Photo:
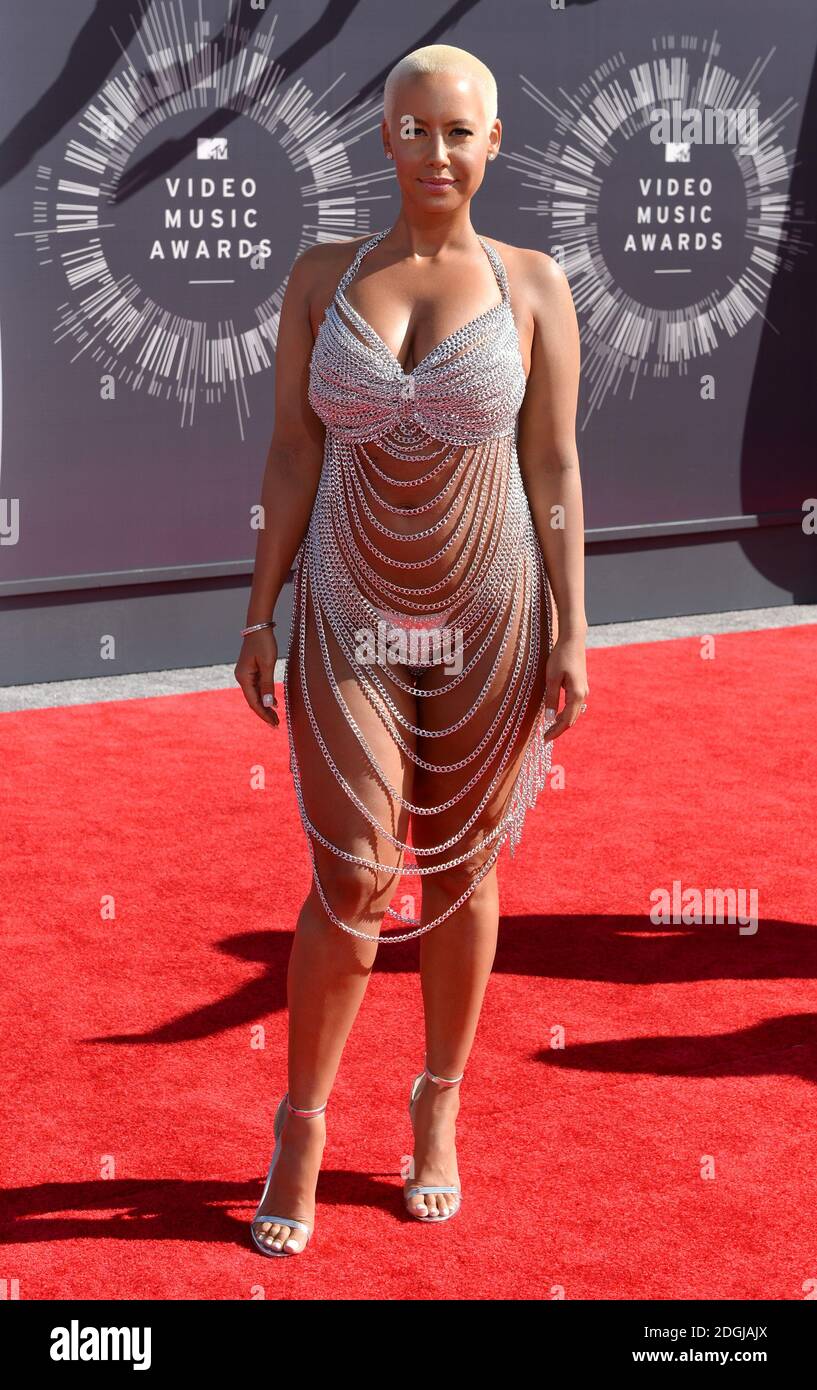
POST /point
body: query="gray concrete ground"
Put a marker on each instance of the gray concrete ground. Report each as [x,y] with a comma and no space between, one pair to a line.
[143,684]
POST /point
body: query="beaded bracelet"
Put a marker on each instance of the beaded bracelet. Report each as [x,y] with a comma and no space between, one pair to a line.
[256,627]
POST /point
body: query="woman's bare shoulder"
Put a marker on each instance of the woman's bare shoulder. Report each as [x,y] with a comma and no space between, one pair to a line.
[540,295]
[317,270]
[326,258]
[528,266]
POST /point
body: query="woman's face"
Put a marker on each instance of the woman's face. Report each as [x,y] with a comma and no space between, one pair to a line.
[439,138]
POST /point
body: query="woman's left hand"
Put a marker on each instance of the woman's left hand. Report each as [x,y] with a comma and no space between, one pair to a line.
[566,670]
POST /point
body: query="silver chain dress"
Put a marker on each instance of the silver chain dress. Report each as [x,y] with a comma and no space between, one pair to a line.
[448,424]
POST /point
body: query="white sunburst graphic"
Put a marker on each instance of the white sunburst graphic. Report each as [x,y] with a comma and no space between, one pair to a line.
[165,296]
[652,295]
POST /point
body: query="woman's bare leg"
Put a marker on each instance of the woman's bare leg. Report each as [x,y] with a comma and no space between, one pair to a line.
[456,958]
[329,968]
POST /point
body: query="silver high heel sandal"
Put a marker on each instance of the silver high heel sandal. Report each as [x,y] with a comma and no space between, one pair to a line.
[258,1237]
[417,1087]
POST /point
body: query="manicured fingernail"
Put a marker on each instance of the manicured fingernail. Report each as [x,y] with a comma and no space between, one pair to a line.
[267,700]
[550,713]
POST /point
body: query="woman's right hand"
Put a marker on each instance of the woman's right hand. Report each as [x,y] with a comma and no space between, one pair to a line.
[255,673]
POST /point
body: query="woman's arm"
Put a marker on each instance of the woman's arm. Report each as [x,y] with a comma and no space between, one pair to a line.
[295,454]
[290,482]
[549,463]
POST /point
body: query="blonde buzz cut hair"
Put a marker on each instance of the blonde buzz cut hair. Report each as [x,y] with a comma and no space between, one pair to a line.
[443,57]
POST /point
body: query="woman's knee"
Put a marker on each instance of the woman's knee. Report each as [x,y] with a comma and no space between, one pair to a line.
[471,878]
[355,893]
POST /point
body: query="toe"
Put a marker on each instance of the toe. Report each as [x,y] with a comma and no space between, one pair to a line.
[418,1204]
[281,1236]
[267,1232]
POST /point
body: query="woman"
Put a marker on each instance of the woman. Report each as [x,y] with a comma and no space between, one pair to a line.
[423,672]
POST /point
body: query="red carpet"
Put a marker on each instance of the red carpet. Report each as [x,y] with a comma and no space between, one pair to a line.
[663,1152]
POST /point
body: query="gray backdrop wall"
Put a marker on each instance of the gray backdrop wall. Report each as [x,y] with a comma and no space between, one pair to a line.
[159,174]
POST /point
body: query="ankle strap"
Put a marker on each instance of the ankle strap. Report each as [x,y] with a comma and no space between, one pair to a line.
[307,1114]
[443,1081]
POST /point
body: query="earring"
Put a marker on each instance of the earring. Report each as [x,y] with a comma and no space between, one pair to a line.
[389,154]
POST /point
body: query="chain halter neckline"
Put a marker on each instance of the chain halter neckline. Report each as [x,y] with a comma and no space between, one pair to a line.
[374,337]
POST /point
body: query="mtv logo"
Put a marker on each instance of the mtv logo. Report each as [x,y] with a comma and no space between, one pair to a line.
[215,148]
[677,154]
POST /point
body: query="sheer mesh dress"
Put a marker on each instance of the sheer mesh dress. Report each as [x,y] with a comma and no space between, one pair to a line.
[422,619]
